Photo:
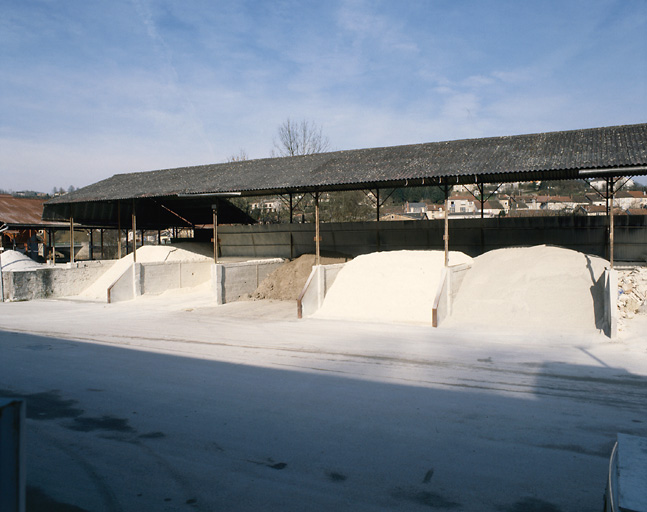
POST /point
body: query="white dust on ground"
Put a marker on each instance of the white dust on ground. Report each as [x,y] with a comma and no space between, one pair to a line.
[287,281]
[395,286]
[17,261]
[145,254]
[531,289]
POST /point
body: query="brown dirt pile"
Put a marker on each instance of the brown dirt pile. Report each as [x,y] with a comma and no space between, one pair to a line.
[287,281]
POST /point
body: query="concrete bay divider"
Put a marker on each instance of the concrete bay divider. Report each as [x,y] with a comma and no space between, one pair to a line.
[611,302]
[322,278]
[450,283]
[230,281]
[319,282]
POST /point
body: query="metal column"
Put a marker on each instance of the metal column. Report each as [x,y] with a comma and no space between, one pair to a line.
[214,207]
[611,223]
[317,236]
[446,235]
[118,230]
[134,233]
[71,239]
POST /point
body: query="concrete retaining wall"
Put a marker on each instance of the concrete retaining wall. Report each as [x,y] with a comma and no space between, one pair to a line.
[158,277]
[52,282]
[233,280]
[319,282]
[611,302]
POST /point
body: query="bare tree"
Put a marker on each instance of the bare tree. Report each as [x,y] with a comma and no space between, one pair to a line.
[300,138]
[238,157]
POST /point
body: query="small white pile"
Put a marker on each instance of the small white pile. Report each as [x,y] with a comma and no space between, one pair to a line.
[398,286]
[146,254]
[16,261]
[632,292]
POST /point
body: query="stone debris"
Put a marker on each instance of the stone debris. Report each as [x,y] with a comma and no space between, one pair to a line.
[632,292]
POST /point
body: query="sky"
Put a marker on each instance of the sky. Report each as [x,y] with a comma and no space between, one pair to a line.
[93,89]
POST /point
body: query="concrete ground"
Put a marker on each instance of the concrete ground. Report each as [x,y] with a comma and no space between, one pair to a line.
[171,403]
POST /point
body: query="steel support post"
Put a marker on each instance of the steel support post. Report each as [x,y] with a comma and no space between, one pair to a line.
[377,204]
[134,217]
[317,236]
[71,239]
[446,235]
[611,223]
[215,232]
[118,230]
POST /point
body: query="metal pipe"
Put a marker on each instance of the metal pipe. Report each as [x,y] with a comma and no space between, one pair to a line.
[212,194]
[616,170]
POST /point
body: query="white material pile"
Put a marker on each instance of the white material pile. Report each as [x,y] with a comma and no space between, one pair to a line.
[632,292]
[16,261]
[146,254]
[398,286]
[532,289]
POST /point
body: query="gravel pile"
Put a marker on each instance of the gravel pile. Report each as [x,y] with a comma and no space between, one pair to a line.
[632,292]
[287,281]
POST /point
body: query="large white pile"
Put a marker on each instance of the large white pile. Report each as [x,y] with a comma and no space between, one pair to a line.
[146,254]
[16,261]
[531,289]
[397,286]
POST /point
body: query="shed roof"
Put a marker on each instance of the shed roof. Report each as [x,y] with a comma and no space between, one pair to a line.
[617,150]
[23,212]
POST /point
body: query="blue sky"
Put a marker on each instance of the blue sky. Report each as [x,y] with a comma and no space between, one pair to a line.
[89,89]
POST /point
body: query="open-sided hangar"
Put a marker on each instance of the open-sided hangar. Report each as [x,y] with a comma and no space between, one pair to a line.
[194,196]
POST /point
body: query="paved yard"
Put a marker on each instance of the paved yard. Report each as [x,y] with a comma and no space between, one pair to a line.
[174,404]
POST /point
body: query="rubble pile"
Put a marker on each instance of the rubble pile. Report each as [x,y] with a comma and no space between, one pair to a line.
[632,292]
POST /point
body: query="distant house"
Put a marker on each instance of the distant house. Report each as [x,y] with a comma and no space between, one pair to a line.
[462,204]
[435,211]
[631,198]
[415,207]
[595,199]
[491,208]
[556,203]
[637,211]
[592,210]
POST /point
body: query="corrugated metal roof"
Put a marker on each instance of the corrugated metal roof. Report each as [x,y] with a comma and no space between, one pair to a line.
[545,156]
[23,212]
[553,155]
